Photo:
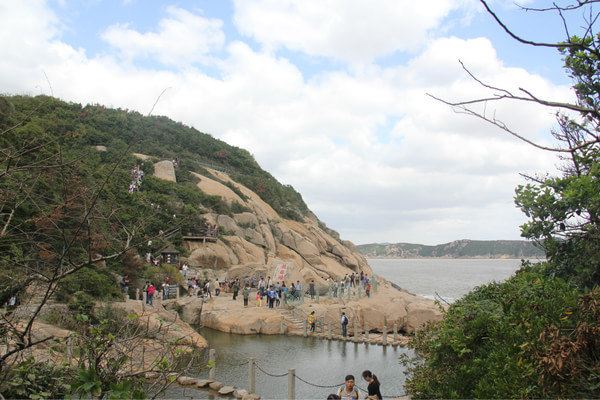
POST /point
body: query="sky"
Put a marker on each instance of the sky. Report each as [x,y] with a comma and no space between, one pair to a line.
[330,96]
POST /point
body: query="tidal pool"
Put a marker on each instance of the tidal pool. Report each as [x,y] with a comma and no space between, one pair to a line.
[317,361]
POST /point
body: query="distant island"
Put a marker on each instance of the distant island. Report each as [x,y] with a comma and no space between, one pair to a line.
[457,249]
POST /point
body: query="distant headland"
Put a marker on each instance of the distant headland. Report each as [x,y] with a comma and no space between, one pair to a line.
[457,249]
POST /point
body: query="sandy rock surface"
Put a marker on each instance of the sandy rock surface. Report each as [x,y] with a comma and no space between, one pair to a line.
[388,306]
[165,170]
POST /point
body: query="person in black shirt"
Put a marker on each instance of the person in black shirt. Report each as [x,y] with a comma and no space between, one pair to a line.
[373,387]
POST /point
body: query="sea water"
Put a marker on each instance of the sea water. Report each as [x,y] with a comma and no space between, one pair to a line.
[448,278]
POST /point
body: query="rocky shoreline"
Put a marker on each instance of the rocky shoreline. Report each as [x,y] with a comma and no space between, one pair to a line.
[388,307]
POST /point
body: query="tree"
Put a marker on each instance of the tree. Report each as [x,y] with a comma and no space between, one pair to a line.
[564,211]
[60,218]
[535,335]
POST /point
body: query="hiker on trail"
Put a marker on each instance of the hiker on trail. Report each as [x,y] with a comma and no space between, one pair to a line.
[271,294]
[184,270]
[217,287]
[311,320]
[261,286]
[342,285]
[236,288]
[246,295]
[165,290]
[207,289]
[299,288]
[150,293]
[344,322]
[125,284]
[348,391]
[311,289]
[373,385]
[284,292]
[368,288]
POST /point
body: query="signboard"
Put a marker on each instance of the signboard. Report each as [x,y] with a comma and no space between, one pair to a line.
[280,272]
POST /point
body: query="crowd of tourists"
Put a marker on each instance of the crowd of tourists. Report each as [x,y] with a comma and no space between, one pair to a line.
[338,288]
[136,179]
[265,292]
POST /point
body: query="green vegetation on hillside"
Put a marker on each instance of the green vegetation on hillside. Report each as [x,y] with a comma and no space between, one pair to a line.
[166,139]
[55,173]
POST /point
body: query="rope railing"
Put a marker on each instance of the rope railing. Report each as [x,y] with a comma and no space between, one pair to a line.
[317,385]
[269,374]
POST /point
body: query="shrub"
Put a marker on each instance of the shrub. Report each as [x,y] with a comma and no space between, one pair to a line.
[37,380]
[81,303]
[158,274]
[486,345]
[98,283]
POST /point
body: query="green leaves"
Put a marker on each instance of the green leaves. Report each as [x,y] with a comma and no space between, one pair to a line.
[484,347]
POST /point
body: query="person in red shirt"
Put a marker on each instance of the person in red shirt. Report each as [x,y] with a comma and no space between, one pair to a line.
[150,293]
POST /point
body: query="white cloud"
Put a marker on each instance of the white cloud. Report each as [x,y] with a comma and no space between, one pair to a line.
[182,38]
[351,30]
[371,154]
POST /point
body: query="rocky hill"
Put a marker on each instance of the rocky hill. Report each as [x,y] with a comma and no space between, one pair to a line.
[164,181]
[456,249]
[259,240]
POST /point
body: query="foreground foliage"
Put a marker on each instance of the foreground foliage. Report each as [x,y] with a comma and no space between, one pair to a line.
[536,335]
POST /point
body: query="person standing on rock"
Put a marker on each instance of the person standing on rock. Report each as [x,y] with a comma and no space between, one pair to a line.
[150,293]
[236,288]
[311,289]
[207,289]
[311,320]
[184,270]
[261,286]
[271,295]
[284,293]
[217,287]
[246,294]
[344,322]
[258,299]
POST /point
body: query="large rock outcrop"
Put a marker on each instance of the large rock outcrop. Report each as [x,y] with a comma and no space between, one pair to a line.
[387,307]
[165,170]
[259,241]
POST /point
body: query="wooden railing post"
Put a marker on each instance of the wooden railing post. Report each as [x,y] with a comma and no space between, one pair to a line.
[291,384]
[252,375]
[384,336]
[211,361]
[305,328]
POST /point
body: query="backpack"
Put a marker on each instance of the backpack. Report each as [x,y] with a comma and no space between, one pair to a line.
[344,320]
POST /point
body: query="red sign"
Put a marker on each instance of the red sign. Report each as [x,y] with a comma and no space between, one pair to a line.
[280,272]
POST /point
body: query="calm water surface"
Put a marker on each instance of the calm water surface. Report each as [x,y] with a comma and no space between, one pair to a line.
[326,363]
[317,361]
[450,278]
